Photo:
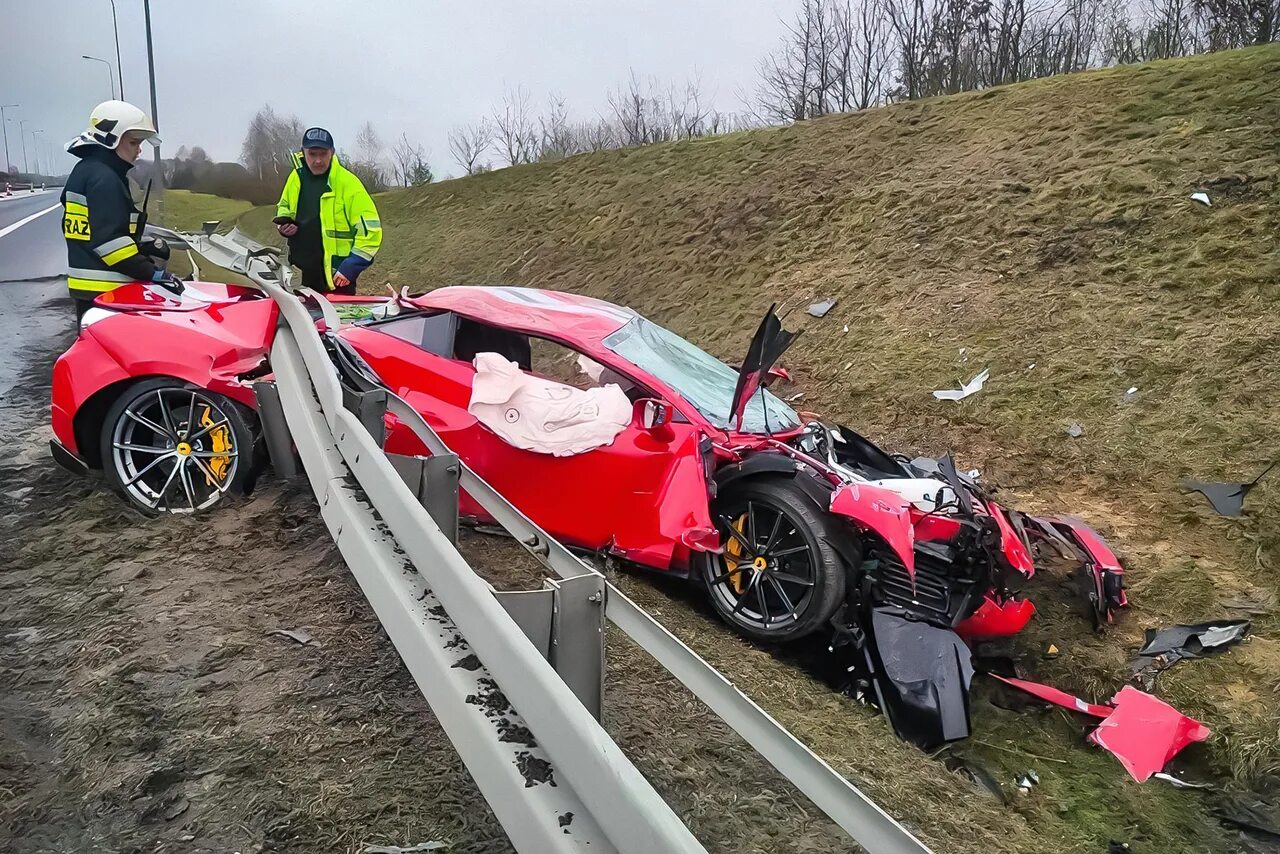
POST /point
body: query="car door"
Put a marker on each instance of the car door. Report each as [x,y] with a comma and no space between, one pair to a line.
[643,497]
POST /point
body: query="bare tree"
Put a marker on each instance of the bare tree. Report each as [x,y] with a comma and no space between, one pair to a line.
[468,143]
[269,143]
[409,163]
[366,158]
[514,130]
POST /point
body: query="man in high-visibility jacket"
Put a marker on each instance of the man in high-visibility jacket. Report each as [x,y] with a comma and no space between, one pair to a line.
[102,227]
[327,215]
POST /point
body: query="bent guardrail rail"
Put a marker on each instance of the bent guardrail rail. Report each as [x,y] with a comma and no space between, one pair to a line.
[436,611]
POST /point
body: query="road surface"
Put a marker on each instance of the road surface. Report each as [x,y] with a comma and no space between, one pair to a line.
[35,312]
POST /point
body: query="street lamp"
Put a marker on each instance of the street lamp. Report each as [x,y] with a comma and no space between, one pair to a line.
[35,143]
[4,122]
[119,69]
[110,77]
[22,133]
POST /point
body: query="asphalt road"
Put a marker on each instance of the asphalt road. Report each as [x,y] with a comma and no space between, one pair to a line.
[35,313]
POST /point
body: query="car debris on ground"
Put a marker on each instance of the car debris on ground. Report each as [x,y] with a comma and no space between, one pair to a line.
[1074,430]
[301,636]
[973,386]
[1166,647]
[1202,198]
[400,849]
[1130,393]
[1226,498]
[1139,729]
[820,308]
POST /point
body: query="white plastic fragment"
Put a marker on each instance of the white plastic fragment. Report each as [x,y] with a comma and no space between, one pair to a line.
[1202,198]
[846,328]
[973,386]
[397,849]
[1131,393]
[1075,431]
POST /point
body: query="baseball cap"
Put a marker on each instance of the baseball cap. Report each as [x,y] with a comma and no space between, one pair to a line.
[317,138]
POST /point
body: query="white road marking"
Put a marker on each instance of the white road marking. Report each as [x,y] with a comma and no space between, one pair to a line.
[20,223]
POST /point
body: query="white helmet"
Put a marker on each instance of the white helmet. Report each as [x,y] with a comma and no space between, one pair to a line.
[111,120]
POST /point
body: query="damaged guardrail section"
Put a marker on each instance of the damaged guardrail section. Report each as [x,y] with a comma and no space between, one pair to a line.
[554,778]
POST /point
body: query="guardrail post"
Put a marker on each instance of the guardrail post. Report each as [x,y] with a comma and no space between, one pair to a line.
[434,481]
[577,637]
[371,408]
[275,431]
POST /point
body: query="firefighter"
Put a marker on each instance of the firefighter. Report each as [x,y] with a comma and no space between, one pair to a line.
[102,227]
[328,217]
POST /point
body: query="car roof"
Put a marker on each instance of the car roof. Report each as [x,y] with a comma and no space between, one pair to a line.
[570,317]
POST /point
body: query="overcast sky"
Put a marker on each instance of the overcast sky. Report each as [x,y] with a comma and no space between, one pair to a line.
[420,66]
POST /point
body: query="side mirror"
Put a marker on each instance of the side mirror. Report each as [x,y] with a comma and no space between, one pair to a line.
[652,414]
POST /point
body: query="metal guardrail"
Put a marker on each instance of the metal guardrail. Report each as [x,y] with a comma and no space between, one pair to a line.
[612,806]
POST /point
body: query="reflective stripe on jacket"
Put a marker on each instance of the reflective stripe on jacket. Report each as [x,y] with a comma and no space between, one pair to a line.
[349,224]
[100,226]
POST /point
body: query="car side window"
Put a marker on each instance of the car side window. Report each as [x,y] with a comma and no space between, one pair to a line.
[474,337]
[434,333]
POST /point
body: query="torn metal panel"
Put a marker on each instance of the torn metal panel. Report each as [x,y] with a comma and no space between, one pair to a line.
[767,346]
[1144,732]
[921,675]
[973,386]
[1166,647]
[1227,499]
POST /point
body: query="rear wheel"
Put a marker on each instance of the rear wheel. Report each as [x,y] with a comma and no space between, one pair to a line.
[171,447]
[780,577]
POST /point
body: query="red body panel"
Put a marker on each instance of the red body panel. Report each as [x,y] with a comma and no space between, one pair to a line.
[1015,550]
[1144,732]
[640,497]
[996,619]
[209,348]
[883,512]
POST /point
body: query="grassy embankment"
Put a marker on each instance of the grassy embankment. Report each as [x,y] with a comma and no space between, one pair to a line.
[1043,231]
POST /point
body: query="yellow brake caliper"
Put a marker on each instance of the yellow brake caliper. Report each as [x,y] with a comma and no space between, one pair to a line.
[220,440]
[733,556]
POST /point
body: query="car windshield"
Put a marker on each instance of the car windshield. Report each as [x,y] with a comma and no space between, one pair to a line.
[705,381]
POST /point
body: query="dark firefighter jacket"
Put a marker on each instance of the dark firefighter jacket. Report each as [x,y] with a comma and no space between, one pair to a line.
[101,225]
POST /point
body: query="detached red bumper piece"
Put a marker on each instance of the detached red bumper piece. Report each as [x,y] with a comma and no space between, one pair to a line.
[1140,730]
[1145,732]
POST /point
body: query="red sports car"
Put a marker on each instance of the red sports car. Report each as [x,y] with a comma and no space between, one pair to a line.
[791,526]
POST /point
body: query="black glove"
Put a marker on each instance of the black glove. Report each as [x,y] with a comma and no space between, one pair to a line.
[156,247]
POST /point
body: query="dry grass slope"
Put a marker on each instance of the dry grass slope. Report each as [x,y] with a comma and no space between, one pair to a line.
[1044,231]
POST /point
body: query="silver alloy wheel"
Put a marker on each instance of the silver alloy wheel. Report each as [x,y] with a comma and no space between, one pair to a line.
[174,450]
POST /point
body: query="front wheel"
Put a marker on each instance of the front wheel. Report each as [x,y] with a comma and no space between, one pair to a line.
[171,447]
[780,576]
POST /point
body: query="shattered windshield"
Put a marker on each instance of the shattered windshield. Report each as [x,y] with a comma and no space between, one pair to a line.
[702,379]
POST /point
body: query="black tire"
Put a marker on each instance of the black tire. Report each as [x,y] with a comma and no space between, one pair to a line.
[218,461]
[803,582]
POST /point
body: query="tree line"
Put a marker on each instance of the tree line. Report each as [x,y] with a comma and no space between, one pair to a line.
[834,56]
[842,55]
[266,158]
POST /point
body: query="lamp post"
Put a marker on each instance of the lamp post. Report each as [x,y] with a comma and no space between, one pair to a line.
[119,68]
[111,78]
[155,117]
[4,123]
[22,134]
[35,143]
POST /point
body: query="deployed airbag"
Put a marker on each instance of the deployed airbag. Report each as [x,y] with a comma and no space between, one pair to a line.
[542,415]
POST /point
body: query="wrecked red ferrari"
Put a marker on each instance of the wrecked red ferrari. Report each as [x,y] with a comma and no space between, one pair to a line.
[793,527]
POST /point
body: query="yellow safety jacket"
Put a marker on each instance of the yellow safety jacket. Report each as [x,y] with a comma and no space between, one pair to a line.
[349,224]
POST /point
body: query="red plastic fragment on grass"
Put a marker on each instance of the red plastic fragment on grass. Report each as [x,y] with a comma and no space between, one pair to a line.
[1058,697]
[1144,732]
